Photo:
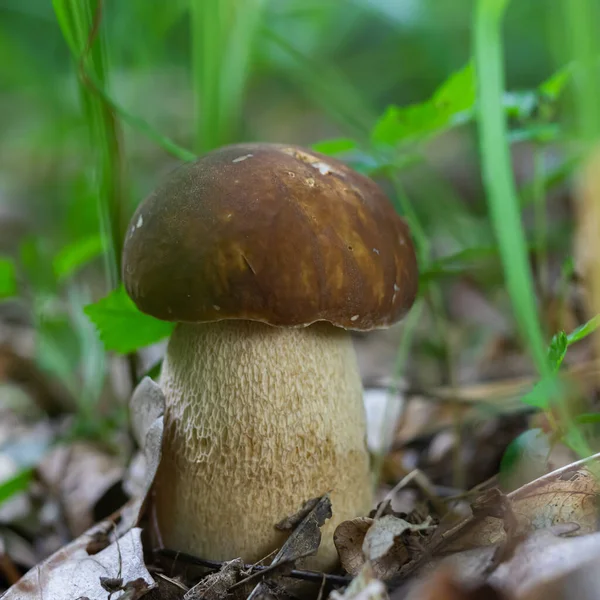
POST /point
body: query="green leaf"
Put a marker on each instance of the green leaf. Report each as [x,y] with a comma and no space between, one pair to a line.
[553,87]
[588,418]
[74,256]
[14,485]
[584,330]
[548,388]
[336,146]
[122,327]
[8,279]
[557,350]
[544,393]
[451,104]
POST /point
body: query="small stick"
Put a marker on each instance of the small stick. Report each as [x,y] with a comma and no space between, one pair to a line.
[216,565]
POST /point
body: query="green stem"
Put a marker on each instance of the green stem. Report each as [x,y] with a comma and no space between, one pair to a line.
[80,24]
[498,176]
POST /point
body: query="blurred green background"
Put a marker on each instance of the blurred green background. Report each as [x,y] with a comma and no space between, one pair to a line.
[472,115]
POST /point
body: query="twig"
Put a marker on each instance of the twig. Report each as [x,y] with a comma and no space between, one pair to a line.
[422,483]
[215,565]
[172,581]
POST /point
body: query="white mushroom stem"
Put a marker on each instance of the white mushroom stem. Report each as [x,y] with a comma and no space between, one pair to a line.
[259,420]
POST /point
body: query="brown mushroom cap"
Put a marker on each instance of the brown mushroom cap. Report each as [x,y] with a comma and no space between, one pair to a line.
[272,233]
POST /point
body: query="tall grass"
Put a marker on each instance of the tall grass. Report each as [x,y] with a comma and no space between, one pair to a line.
[80,22]
[498,175]
[223,34]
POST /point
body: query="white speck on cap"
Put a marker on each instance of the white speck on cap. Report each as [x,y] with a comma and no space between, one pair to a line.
[375,250]
[241,158]
[140,222]
[354,317]
[216,307]
[322,167]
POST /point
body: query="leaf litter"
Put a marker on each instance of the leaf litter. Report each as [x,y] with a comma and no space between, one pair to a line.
[496,545]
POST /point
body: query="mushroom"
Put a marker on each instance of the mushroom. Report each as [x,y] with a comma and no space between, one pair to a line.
[265,255]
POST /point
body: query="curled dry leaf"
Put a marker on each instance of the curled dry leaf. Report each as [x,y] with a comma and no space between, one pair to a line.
[147,407]
[383,534]
[216,585]
[79,474]
[147,404]
[377,541]
[304,541]
[365,586]
[72,572]
[348,538]
[306,538]
[568,495]
[292,521]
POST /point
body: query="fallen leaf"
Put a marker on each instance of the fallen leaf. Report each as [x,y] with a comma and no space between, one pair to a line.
[147,408]
[383,534]
[376,541]
[383,410]
[306,538]
[304,541]
[72,573]
[348,539]
[147,404]
[292,521]
[545,556]
[582,583]
[216,585]
[79,474]
[568,495]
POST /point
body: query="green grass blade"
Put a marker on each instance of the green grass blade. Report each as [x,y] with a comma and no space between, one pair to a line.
[582,30]
[80,24]
[498,176]
[223,33]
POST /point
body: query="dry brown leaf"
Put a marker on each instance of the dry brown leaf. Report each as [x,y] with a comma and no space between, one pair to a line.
[378,542]
[147,407]
[79,474]
[568,495]
[545,557]
[216,585]
[348,539]
[292,521]
[72,573]
[147,404]
[304,541]
[384,534]
[306,538]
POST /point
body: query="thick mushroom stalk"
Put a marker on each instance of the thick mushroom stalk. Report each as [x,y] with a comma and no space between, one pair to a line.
[265,255]
[259,419]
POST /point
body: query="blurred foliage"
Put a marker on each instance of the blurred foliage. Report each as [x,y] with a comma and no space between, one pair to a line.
[102,98]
